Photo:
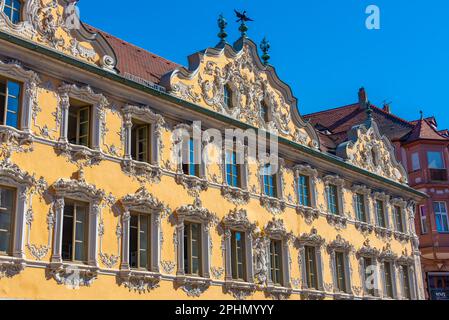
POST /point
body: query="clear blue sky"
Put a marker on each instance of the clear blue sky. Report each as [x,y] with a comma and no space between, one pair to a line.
[320,47]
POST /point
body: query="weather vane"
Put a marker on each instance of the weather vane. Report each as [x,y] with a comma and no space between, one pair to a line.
[242,17]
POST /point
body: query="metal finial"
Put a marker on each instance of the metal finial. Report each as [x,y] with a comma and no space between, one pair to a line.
[222,24]
[265,46]
[421,114]
[242,17]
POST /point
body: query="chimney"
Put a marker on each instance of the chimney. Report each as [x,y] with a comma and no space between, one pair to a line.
[387,108]
[363,99]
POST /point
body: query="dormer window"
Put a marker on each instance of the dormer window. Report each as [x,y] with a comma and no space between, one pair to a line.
[227,97]
[12,10]
[79,131]
[10,93]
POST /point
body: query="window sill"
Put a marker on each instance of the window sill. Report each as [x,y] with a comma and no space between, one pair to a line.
[140,281]
[192,184]
[10,266]
[235,195]
[383,232]
[76,152]
[308,213]
[401,236]
[142,169]
[274,205]
[343,296]
[193,286]
[239,289]
[364,226]
[336,220]
[313,294]
[72,274]
[20,137]
[278,292]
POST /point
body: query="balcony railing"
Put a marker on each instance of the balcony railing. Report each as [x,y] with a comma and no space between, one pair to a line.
[438,174]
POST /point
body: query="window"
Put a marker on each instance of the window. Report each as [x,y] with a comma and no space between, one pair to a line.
[304,190]
[7,197]
[406,283]
[227,97]
[360,207]
[332,199]
[435,160]
[276,261]
[415,161]
[269,181]
[340,270]
[10,95]
[388,277]
[441,218]
[423,216]
[368,275]
[311,267]
[380,213]
[139,241]
[13,10]
[232,170]
[74,232]
[140,142]
[192,248]
[190,164]
[398,216]
[238,255]
[79,123]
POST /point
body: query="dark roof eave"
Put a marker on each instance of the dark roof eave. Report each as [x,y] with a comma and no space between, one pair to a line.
[94,69]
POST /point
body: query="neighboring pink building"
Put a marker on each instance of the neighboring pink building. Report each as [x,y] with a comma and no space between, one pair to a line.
[423,151]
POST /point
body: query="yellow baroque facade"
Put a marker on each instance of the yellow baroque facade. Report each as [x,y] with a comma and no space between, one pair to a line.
[93,206]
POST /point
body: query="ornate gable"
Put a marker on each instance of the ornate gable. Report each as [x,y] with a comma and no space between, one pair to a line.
[55,24]
[252,87]
[368,149]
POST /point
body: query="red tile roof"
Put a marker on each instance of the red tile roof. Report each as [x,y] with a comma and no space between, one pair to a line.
[136,61]
[338,121]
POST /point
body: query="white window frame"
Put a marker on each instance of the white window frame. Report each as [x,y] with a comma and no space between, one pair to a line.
[380,196]
[366,192]
[312,174]
[442,159]
[29,80]
[415,161]
[424,219]
[343,246]
[339,183]
[311,239]
[442,214]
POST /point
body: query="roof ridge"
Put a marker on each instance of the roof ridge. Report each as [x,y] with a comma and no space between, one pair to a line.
[329,110]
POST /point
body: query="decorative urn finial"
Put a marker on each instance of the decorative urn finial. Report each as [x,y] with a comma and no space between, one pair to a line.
[242,17]
[222,24]
[265,46]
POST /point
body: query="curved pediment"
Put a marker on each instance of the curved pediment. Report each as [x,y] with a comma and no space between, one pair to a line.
[233,81]
[369,150]
[56,24]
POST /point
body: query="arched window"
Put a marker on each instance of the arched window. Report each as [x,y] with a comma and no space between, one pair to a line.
[227,97]
[13,9]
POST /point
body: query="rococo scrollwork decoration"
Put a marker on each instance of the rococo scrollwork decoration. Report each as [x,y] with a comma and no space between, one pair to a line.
[369,150]
[234,82]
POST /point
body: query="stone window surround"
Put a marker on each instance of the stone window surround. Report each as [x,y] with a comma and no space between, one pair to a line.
[339,182]
[196,214]
[14,70]
[146,115]
[387,231]
[142,202]
[237,220]
[311,239]
[407,263]
[368,252]
[341,245]
[399,202]
[77,190]
[366,192]
[11,176]
[312,174]
[388,256]
[97,102]
[275,230]
[278,180]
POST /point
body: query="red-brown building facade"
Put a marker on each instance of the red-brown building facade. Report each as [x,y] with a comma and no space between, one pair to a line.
[423,151]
